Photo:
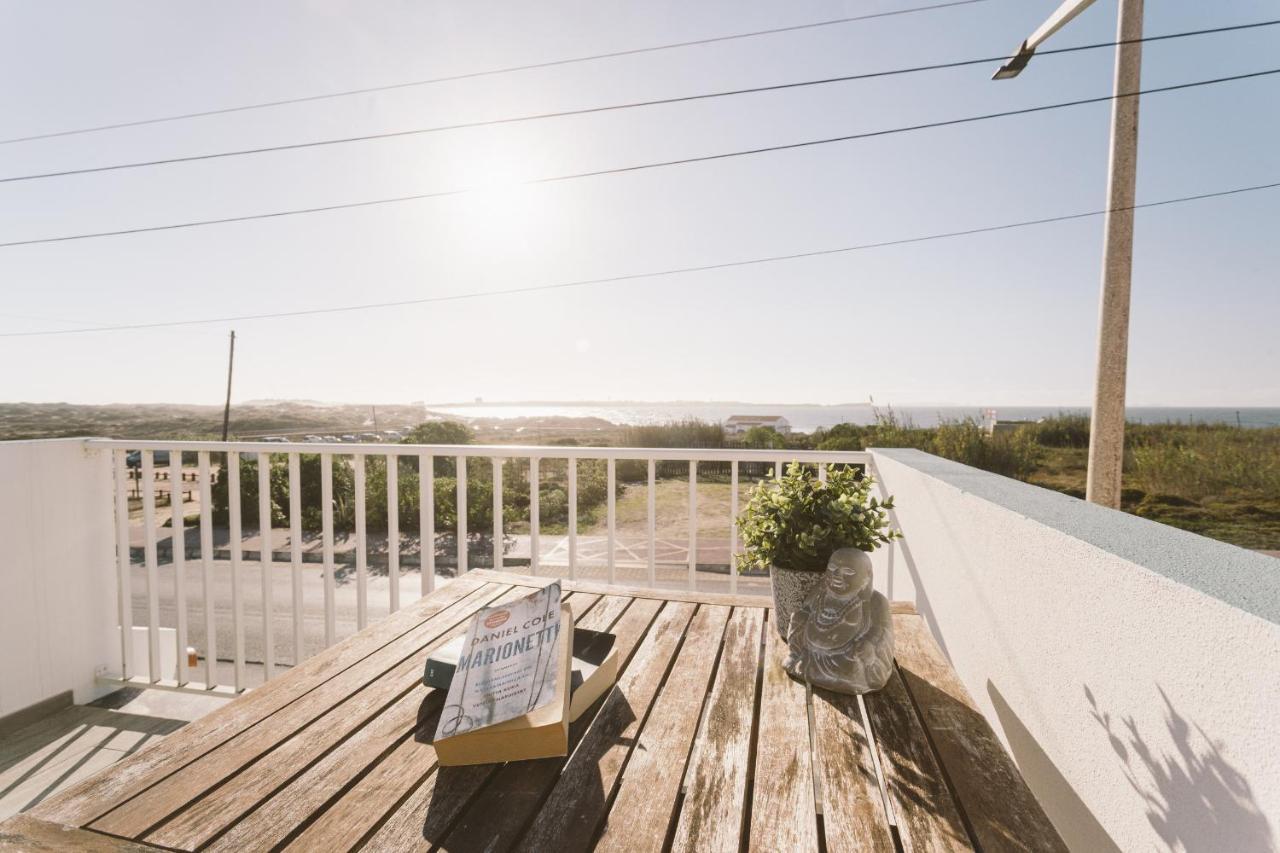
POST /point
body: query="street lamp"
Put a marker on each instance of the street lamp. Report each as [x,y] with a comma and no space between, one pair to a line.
[1106,430]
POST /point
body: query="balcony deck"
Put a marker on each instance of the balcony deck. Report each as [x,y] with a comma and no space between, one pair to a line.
[704,744]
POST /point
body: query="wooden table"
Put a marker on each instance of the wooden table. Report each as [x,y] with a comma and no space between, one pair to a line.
[703,744]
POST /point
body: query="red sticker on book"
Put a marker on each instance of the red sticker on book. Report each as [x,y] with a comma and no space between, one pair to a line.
[493,620]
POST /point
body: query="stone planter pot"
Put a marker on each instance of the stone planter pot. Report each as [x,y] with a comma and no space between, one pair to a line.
[790,588]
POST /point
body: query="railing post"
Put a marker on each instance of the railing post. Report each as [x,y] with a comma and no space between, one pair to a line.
[206,558]
[264,565]
[178,542]
[733,526]
[362,557]
[535,483]
[461,472]
[652,523]
[693,524]
[147,479]
[497,513]
[393,529]
[573,518]
[295,554]
[326,543]
[611,484]
[237,602]
[124,568]
[427,522]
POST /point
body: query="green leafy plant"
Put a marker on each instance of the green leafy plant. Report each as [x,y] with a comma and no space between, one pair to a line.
[799,521]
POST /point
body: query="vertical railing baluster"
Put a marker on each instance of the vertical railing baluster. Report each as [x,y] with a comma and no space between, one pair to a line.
[295,553]
[611,479]
[497,514]
[427,522]
[206,559]
[778,471]
[264,565]
[822,472]
[534,512]
[362,560]
[326,545]
[573,518]
[234,530]
[733,526]
[693,524]
[124,570]
[148,477]
[178,538]
[393,529]
[462,515]
[652,523]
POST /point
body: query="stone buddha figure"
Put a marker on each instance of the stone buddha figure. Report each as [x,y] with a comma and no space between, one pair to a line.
[841,637]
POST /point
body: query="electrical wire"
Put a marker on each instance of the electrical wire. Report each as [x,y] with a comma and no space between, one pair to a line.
[489,73]
[192,158]
[619,279]
[635,168]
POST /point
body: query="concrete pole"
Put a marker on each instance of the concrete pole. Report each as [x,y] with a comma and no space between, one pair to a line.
[1106,436]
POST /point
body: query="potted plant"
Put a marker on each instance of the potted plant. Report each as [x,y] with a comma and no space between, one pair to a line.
[792,527]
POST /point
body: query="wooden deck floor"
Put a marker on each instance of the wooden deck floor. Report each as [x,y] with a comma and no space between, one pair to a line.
[704,744]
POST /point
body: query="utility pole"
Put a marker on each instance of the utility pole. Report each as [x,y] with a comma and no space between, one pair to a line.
[226,409]
[1106,428]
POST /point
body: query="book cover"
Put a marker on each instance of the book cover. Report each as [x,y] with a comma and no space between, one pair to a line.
[540,733]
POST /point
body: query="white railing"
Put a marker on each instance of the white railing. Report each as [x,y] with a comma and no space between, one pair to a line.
[136,472]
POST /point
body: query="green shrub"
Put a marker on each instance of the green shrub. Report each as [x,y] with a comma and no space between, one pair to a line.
[799,521]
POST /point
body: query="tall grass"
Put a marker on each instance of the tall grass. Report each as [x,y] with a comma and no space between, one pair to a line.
[1199,461]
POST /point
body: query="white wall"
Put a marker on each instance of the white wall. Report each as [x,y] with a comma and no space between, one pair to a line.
[58,615]
[1132,669]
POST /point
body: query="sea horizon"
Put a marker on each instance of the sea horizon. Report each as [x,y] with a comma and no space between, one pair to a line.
[806,417]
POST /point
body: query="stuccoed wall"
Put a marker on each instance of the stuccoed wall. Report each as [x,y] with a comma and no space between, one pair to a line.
[1132,669]
[58,617]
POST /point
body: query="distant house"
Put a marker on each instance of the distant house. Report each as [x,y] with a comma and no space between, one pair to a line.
[738,424]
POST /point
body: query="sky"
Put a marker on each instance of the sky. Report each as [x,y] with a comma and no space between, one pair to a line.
[1007,317]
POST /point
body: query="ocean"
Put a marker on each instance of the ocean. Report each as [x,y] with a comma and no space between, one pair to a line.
[805,418]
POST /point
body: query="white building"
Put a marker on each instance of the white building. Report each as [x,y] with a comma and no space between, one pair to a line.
[738,424]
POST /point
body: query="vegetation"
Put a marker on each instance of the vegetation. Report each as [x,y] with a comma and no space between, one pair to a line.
[1214,479]
[799,522]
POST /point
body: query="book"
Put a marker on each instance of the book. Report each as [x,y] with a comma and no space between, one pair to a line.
[595,667]
[467,735]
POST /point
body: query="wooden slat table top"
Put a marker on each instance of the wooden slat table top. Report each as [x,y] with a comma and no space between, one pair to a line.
[703,744]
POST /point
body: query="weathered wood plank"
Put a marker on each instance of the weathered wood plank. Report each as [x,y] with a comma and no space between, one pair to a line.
[412,717]
[1001,810]
[853,816]
[200,821]
[94,797]
[783,812]
[186,783]
[721,598]
[495,819]
[421,821]
[927,816]
[577,804]
[26,834]
[711,818]
[650,784]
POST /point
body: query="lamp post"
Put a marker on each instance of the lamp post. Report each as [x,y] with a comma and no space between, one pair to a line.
[1106,429]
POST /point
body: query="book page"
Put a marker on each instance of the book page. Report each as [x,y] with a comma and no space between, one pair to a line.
[508,665]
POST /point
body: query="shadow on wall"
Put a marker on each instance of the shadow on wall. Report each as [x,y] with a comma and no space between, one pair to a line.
[1195,799]
[1073,819]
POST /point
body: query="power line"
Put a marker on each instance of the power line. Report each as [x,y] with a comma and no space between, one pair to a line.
[168,161]
[638,167]
[618,279]
[488,73]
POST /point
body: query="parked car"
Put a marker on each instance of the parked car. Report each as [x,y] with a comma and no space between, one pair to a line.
[370,436]
[134,458]
[349,438]
[276,439]
[312,439]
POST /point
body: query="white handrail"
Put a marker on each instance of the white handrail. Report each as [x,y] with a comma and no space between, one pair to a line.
[639,557]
